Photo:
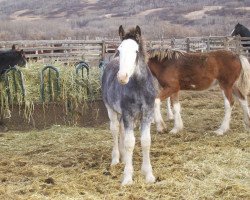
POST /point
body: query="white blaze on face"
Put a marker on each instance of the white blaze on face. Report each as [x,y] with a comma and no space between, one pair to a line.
[128,52]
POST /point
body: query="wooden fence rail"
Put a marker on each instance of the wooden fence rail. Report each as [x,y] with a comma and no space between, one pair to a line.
[90,50]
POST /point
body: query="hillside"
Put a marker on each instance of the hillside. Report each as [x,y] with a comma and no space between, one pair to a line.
[58,19]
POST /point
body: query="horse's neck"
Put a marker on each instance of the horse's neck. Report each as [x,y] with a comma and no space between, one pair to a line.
[245,32]
[155,67]
[141,70]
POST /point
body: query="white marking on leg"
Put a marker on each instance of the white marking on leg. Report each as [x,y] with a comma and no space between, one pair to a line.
[244,105]
[129,144]
[170,114]
[146,143]
[121,142]
[213,84]
[160,125]
[114,127]
[226,121]
[178,124]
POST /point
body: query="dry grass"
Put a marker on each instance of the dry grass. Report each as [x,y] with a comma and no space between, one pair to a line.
[73,87]
[74,163]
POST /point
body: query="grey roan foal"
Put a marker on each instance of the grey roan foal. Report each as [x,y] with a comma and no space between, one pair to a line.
[129,94]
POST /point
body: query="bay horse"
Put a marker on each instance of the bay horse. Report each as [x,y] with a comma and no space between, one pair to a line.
[129,93]
[177,71]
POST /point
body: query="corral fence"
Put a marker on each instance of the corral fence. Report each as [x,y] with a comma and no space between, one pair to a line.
[87,55]
[98,50]
[196,44]
[62,50]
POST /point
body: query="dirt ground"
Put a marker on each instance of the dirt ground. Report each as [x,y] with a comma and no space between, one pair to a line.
[74,163]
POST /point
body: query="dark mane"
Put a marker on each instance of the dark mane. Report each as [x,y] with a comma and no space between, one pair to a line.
[132,34]
[162,54]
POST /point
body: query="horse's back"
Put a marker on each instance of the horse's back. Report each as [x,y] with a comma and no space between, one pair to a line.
[198,71]
[226,64]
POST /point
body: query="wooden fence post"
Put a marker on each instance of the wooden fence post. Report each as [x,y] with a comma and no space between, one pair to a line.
[103,49]
[172,43]
[188,44]
[208,43]
[226,43]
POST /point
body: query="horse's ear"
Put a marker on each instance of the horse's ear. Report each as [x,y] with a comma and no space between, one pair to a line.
[121,32]
[116,54]
[13,47]
[138,30]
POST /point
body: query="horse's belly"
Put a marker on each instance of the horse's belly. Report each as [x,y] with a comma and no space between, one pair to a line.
[201,84]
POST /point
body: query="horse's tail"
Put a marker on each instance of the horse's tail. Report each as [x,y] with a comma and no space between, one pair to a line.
[243,82]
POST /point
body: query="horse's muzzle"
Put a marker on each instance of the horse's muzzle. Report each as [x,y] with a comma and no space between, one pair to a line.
[122,78]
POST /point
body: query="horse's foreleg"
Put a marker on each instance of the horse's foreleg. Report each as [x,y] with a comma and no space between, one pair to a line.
[121,141]
[228,103]
[178,124]
[129,144]
[114,127]
[146,143]
[160,124]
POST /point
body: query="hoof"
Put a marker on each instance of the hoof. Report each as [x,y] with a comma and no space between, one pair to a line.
[175,131]
[219,132]
[161,126]
[150,178]
[127,181]
[114,162]
[170,118]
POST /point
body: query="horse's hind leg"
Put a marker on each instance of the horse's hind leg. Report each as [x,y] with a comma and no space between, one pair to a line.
[160,125]
[178,124]
[228,103]
[170,114]
[244,104]
[114,127]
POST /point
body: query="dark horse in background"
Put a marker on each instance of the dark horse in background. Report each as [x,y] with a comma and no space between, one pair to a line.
[129,93]
[242,31]
[11,58]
